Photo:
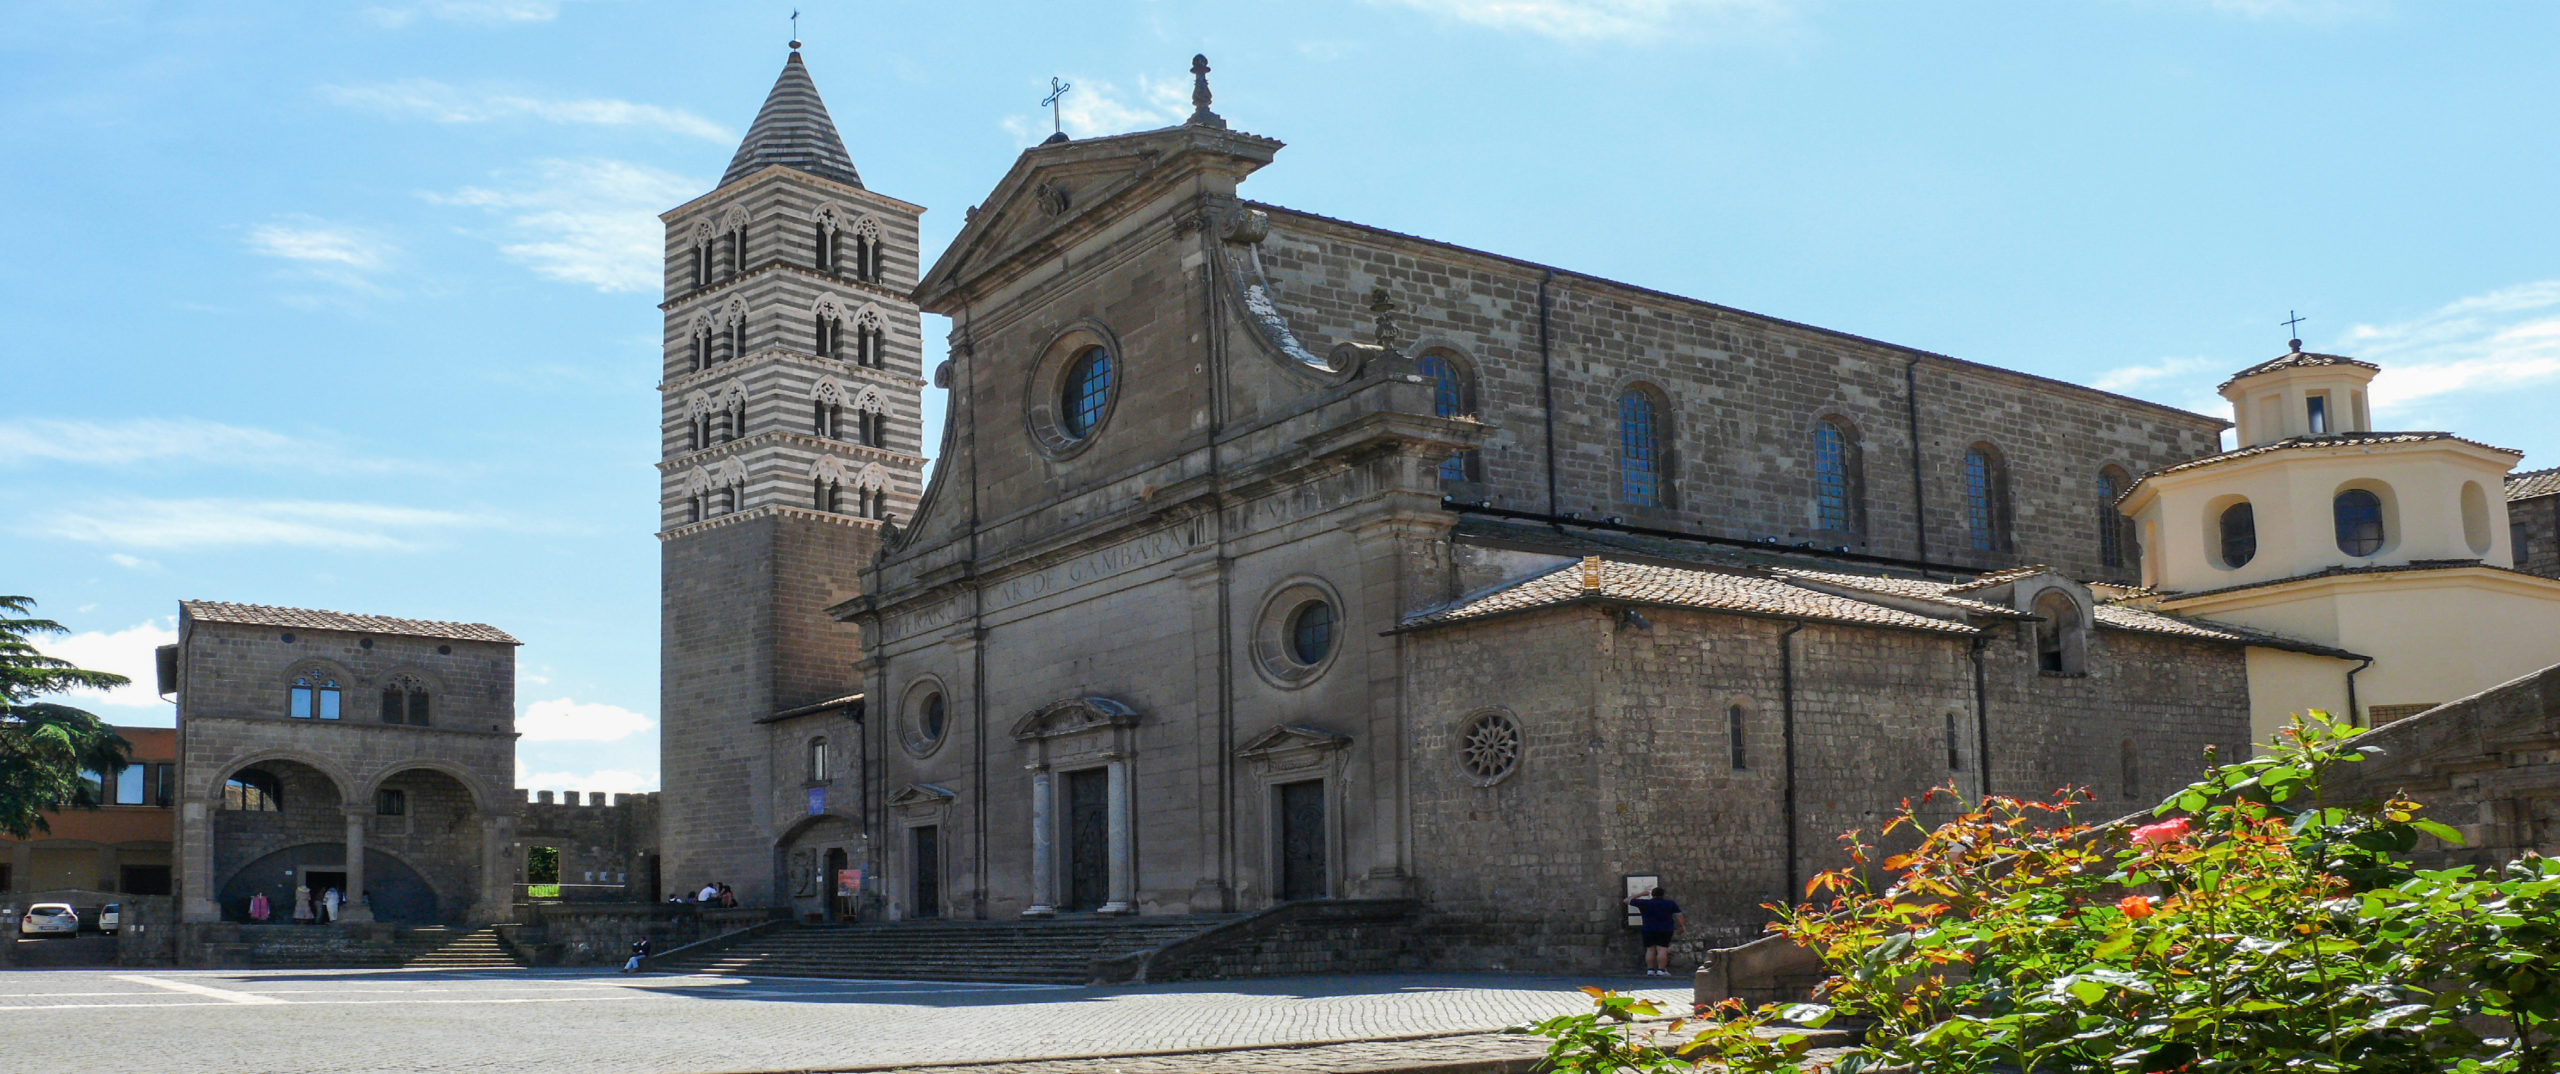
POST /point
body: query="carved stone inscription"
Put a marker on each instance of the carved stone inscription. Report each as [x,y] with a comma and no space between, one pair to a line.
[1120,558]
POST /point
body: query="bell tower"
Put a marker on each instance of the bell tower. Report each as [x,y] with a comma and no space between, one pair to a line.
[790,440]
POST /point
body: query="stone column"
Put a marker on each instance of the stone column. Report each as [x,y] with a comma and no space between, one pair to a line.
[197,886]
[497,869]
[354,910]
[1124,850]
[1044,895]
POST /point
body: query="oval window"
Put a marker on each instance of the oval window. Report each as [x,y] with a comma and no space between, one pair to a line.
[933,718]
[2239,535]
[2359,515]
[1087,390]
[1311,632]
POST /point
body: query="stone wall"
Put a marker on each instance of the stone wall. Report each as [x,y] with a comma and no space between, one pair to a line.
[608,844]
[601,934]
[1745,391]
[2488,764]
[2534,525]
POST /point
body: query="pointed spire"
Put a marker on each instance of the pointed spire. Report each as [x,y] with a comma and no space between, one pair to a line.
[1200,113]
[792,129]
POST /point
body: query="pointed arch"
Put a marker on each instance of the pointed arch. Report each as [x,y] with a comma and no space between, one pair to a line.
[871,400]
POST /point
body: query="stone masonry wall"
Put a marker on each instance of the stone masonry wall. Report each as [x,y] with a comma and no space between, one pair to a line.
[1745,392]
[606,844]
[2535,525]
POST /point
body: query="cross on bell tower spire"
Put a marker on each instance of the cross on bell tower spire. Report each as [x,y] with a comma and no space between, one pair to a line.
[2293,325]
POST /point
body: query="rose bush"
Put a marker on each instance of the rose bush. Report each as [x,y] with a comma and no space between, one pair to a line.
[2259,927]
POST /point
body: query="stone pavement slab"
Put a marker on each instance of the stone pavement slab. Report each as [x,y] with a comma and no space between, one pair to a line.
[565,1022]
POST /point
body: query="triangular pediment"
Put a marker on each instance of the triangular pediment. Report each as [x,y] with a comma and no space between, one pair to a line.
[921,794]
[1072,715]
[1058,193]
[1288,737]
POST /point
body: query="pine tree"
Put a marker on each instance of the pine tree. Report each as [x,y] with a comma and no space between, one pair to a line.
[44,747]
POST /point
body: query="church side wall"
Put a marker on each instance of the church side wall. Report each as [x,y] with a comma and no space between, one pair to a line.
[2147,708]
[1744,394]
[717,652]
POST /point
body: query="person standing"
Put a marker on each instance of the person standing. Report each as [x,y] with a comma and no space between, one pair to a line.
[330,901]
[302,904]
[259,910]
[1662,918]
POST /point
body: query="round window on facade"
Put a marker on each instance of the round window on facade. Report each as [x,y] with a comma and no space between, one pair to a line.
[927,718]
[1295,636]
[1489,748]
[1087,391]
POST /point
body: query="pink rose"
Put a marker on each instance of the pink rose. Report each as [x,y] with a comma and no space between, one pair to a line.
[2163,833]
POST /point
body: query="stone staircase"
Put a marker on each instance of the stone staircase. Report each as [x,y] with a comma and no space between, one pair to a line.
[1056,951]
[440,948]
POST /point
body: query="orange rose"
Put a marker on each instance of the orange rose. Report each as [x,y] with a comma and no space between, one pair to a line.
[2135,907]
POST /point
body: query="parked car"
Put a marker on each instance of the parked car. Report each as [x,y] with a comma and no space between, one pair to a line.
[111,918]
[50,917]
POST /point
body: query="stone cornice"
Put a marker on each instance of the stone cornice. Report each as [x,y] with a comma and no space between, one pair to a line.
[769,510]
[784,355]
[714,291]
[748,444]
[767,173]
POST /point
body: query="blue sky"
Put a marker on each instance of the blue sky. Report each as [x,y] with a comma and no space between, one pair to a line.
[353,307]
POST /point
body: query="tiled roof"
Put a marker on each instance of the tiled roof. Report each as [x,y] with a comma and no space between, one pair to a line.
[793,130]
[2532,483]
[1731,591]
[1909,588]
[2296,360]
[2001,577]
[2329,440]
[215,611]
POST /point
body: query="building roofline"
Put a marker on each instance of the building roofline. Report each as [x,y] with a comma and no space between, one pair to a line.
[1649,292]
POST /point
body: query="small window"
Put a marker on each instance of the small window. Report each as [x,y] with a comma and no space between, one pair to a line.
[1835,478]
[2239,535]
[253,791]
[1735,743]
[818,770]
[164,784]
[2130,760]
[2359,516]
[391,802]
[130,780]
[313,696]
[404,700]
[1986,499]
[2114,529]
[2319,414]
[1311,632]
[1449,400]
[2059,638]
[1640,466]
[1955,745]
[1088,390]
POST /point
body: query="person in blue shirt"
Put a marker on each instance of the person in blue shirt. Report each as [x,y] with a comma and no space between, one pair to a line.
[1661,919]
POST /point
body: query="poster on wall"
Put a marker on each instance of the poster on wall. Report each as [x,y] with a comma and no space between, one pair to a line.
[848,883]
[1639,885]
[817,800]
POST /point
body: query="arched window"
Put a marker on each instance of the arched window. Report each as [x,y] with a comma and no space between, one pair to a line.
[738,336]
[829,335]
[819,771]
[1640,455]
[404,700]
[2359,517]
[1449,398]
[2239,531]
[314,696]
[2114,529]
[1986,499]
[1087,391]
[1837,506]
[738,247]
[1735,742]
[701,345]
[2059,640]
[822,244]
[253,791]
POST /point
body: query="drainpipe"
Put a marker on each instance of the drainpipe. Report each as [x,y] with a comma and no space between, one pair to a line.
[1787,740]
[2355,716]
[1547,384]
[1981,720]
[1911,414]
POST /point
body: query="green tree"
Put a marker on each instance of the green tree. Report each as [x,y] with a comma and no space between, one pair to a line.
[44,747]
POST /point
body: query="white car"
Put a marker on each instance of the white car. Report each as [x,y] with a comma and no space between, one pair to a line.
[110,918]
[50,917]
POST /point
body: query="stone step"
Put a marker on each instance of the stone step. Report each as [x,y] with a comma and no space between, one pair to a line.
[1056,952]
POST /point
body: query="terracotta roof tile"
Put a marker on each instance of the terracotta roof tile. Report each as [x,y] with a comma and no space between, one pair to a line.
[215,611]
[2146,621]
[2295,360]
[2532,483]
[1683,587]
[1910,588]
[2330,440]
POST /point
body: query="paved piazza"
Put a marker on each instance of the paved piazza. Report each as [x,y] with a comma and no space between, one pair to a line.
[562,1022]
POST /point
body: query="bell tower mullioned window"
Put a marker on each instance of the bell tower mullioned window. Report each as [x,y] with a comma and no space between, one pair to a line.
[791,402]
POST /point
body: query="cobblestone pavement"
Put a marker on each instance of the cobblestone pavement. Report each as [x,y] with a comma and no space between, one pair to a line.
[563,1022]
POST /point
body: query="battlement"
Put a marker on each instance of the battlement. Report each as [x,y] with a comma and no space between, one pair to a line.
[594,799]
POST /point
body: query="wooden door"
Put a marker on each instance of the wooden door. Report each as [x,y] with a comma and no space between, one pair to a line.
[1302,841]
[926,862]
[1088,839]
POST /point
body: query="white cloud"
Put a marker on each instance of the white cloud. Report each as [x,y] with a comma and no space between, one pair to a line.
[1094,107]
[339,254]
[133,563]
[608,780]
[439,102]
[592,222]
[1593,20]
[126,652]
[161,442]
[566,720]
[476,12]
[2502,341]
[218,523]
